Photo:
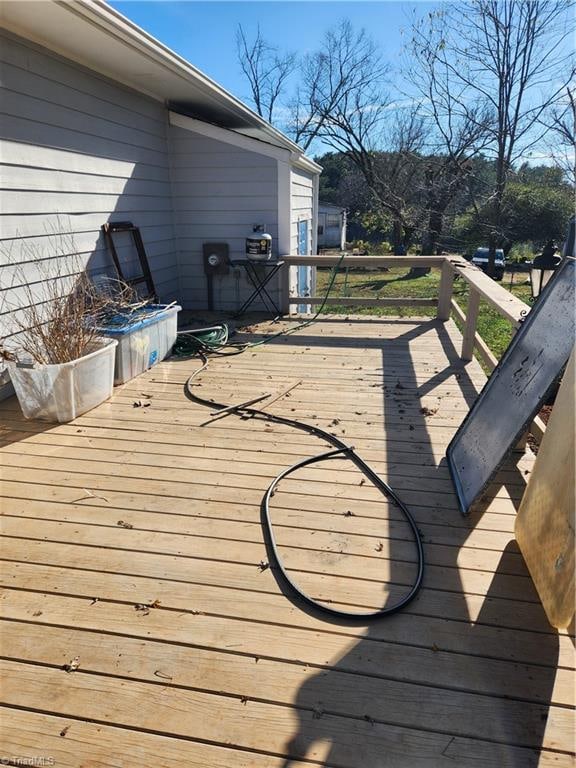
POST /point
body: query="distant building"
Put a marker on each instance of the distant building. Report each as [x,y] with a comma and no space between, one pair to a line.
[331,226]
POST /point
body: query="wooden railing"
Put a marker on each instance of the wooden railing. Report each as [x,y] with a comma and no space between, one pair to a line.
[480,287]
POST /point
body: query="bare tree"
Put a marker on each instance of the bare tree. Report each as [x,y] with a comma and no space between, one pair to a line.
[342,102]
[266,70]
[346,71]
[385,145]
[562,125]
[456,129]
[506,55]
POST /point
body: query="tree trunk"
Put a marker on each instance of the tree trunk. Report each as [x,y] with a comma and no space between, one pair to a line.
[398,236]
[435,226]
[432,236]
[496,233]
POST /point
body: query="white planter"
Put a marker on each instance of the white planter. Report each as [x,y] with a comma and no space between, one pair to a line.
[64,391]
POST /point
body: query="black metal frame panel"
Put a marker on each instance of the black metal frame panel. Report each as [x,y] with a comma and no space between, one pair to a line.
[516,390]
[112,227]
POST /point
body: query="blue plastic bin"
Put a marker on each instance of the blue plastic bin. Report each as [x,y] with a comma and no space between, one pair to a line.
[145,337]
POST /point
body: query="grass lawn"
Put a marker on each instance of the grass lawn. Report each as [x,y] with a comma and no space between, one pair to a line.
[494,329]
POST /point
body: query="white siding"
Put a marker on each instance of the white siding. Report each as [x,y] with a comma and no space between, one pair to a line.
[302,194]
[219,192]
[76,150]
[303,207]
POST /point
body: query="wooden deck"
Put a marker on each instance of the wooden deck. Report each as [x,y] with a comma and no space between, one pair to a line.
[132,546]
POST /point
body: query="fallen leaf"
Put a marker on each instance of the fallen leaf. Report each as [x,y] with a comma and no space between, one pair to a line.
[263,566]
[72,665]
[122,524]
[379,547]
[158,673]
[64,731]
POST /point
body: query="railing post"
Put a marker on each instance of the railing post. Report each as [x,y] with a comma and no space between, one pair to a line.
[445,293]
[285,289]
[470,327]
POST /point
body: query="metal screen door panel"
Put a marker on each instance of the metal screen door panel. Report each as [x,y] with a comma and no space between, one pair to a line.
[516,390]
[303,280]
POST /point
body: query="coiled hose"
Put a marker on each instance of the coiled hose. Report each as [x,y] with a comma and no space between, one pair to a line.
[214,340]
[340,450]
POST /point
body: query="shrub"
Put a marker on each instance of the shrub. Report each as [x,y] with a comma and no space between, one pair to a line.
[382,248]
[521,252]
[370,249]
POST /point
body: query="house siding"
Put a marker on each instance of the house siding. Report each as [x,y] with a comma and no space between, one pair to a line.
[304,206]
[76,150]
[219,191]
[302,194]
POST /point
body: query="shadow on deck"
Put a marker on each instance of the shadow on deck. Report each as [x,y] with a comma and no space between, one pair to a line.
[189,652]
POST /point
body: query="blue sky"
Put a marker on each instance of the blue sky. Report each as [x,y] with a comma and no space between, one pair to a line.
[204,32]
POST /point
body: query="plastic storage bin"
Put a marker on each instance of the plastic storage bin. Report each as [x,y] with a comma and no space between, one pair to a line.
[67,390]
[144,339]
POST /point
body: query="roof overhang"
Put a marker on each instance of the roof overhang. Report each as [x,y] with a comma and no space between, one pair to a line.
[95,35]
[322,204]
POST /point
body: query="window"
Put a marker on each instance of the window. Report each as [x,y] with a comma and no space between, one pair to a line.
[320,229]
[332,220]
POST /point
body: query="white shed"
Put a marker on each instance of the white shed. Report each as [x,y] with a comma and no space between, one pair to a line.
[331,226]
[100,122]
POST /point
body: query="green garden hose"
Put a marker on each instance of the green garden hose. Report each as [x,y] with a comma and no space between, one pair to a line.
[215,338]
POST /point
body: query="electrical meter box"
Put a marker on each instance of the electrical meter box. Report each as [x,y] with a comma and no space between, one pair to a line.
[216,259]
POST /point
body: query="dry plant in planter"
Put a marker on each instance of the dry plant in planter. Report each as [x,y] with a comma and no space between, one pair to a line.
[60,305]
[59,329]
[59,365]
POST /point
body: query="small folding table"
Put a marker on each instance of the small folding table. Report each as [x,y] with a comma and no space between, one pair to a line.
[259,274]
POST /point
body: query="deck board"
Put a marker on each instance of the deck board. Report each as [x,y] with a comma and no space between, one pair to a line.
[132,506]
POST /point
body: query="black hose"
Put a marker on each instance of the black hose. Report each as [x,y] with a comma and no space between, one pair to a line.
[340,448]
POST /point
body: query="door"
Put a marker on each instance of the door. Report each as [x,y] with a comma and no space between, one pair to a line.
[304,273]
